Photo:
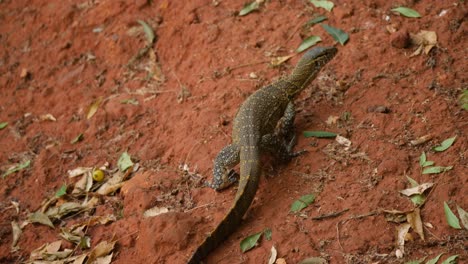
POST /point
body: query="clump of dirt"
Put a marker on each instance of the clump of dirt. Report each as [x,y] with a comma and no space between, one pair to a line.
[171,107]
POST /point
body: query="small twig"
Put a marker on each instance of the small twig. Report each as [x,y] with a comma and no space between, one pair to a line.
[362,216]
[351,218]
[200,206]
[338,235]
[334,214]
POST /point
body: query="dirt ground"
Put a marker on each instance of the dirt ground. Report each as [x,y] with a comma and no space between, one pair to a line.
[58,57]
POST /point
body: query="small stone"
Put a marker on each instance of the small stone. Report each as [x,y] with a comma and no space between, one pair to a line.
[24,73]
[401,39]
[378,109]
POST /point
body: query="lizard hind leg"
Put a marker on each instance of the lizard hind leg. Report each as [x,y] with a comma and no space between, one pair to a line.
[223,174]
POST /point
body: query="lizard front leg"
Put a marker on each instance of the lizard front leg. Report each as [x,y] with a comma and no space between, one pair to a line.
[223,175]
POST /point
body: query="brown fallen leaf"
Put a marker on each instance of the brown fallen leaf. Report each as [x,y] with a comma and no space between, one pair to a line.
[414,219]
[101,250]
[420,189]
[463,216]
[280,60]
[39,252]
[93,108]
[425,40]
[41,218]
[16,230]
[402,231]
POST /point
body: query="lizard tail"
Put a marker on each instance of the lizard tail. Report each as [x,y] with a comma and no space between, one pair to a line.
[248,184]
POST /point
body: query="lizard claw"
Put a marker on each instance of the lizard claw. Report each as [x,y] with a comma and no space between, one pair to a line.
[231,177]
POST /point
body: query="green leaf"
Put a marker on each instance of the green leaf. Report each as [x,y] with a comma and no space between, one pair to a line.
[423,162]
[463,216]
[463,99]
[77,139]
[428,163]
[419,261]
[250,242]
[308,42]
[445,144]
[436,169]
[452,220]
[422,159]
[16,168]
[327,5]
[434,260]
[249,8]
[62,191]
[450,260]
[338,34]
[3,125]
[413,182]
[407,12]
[148,31]
[302,202]
[267,232]
[316,20]
[319,134]
[124,162]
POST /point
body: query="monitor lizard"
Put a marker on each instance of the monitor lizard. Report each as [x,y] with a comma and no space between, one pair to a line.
[264,123]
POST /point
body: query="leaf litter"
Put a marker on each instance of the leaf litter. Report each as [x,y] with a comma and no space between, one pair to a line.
[85,196]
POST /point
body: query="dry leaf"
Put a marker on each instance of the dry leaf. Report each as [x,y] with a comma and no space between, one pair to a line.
[280,60]
[79,171]
[83,185]
[421,140]
[16,206]
[101,250]
[64,209]
[426,40]
[273,255]
[343,141]
[112,185]
[155,211]
[93,108]
[41,218]
[102,220]
[38,253]
[104,260]
[417,190]
[331,120]
[402,231]
[414,219]
[428,225]
[463,216]
[16,230]
[92,203]
[47,117]
[80,259]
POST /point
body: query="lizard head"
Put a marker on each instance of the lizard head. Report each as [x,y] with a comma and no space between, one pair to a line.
[308,67]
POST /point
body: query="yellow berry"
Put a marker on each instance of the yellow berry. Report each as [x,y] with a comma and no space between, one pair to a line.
[98,175]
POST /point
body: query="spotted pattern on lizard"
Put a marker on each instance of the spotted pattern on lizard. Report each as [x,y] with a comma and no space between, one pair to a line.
[254,132]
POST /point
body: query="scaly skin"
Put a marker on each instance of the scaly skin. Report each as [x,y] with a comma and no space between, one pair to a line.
[253,133]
